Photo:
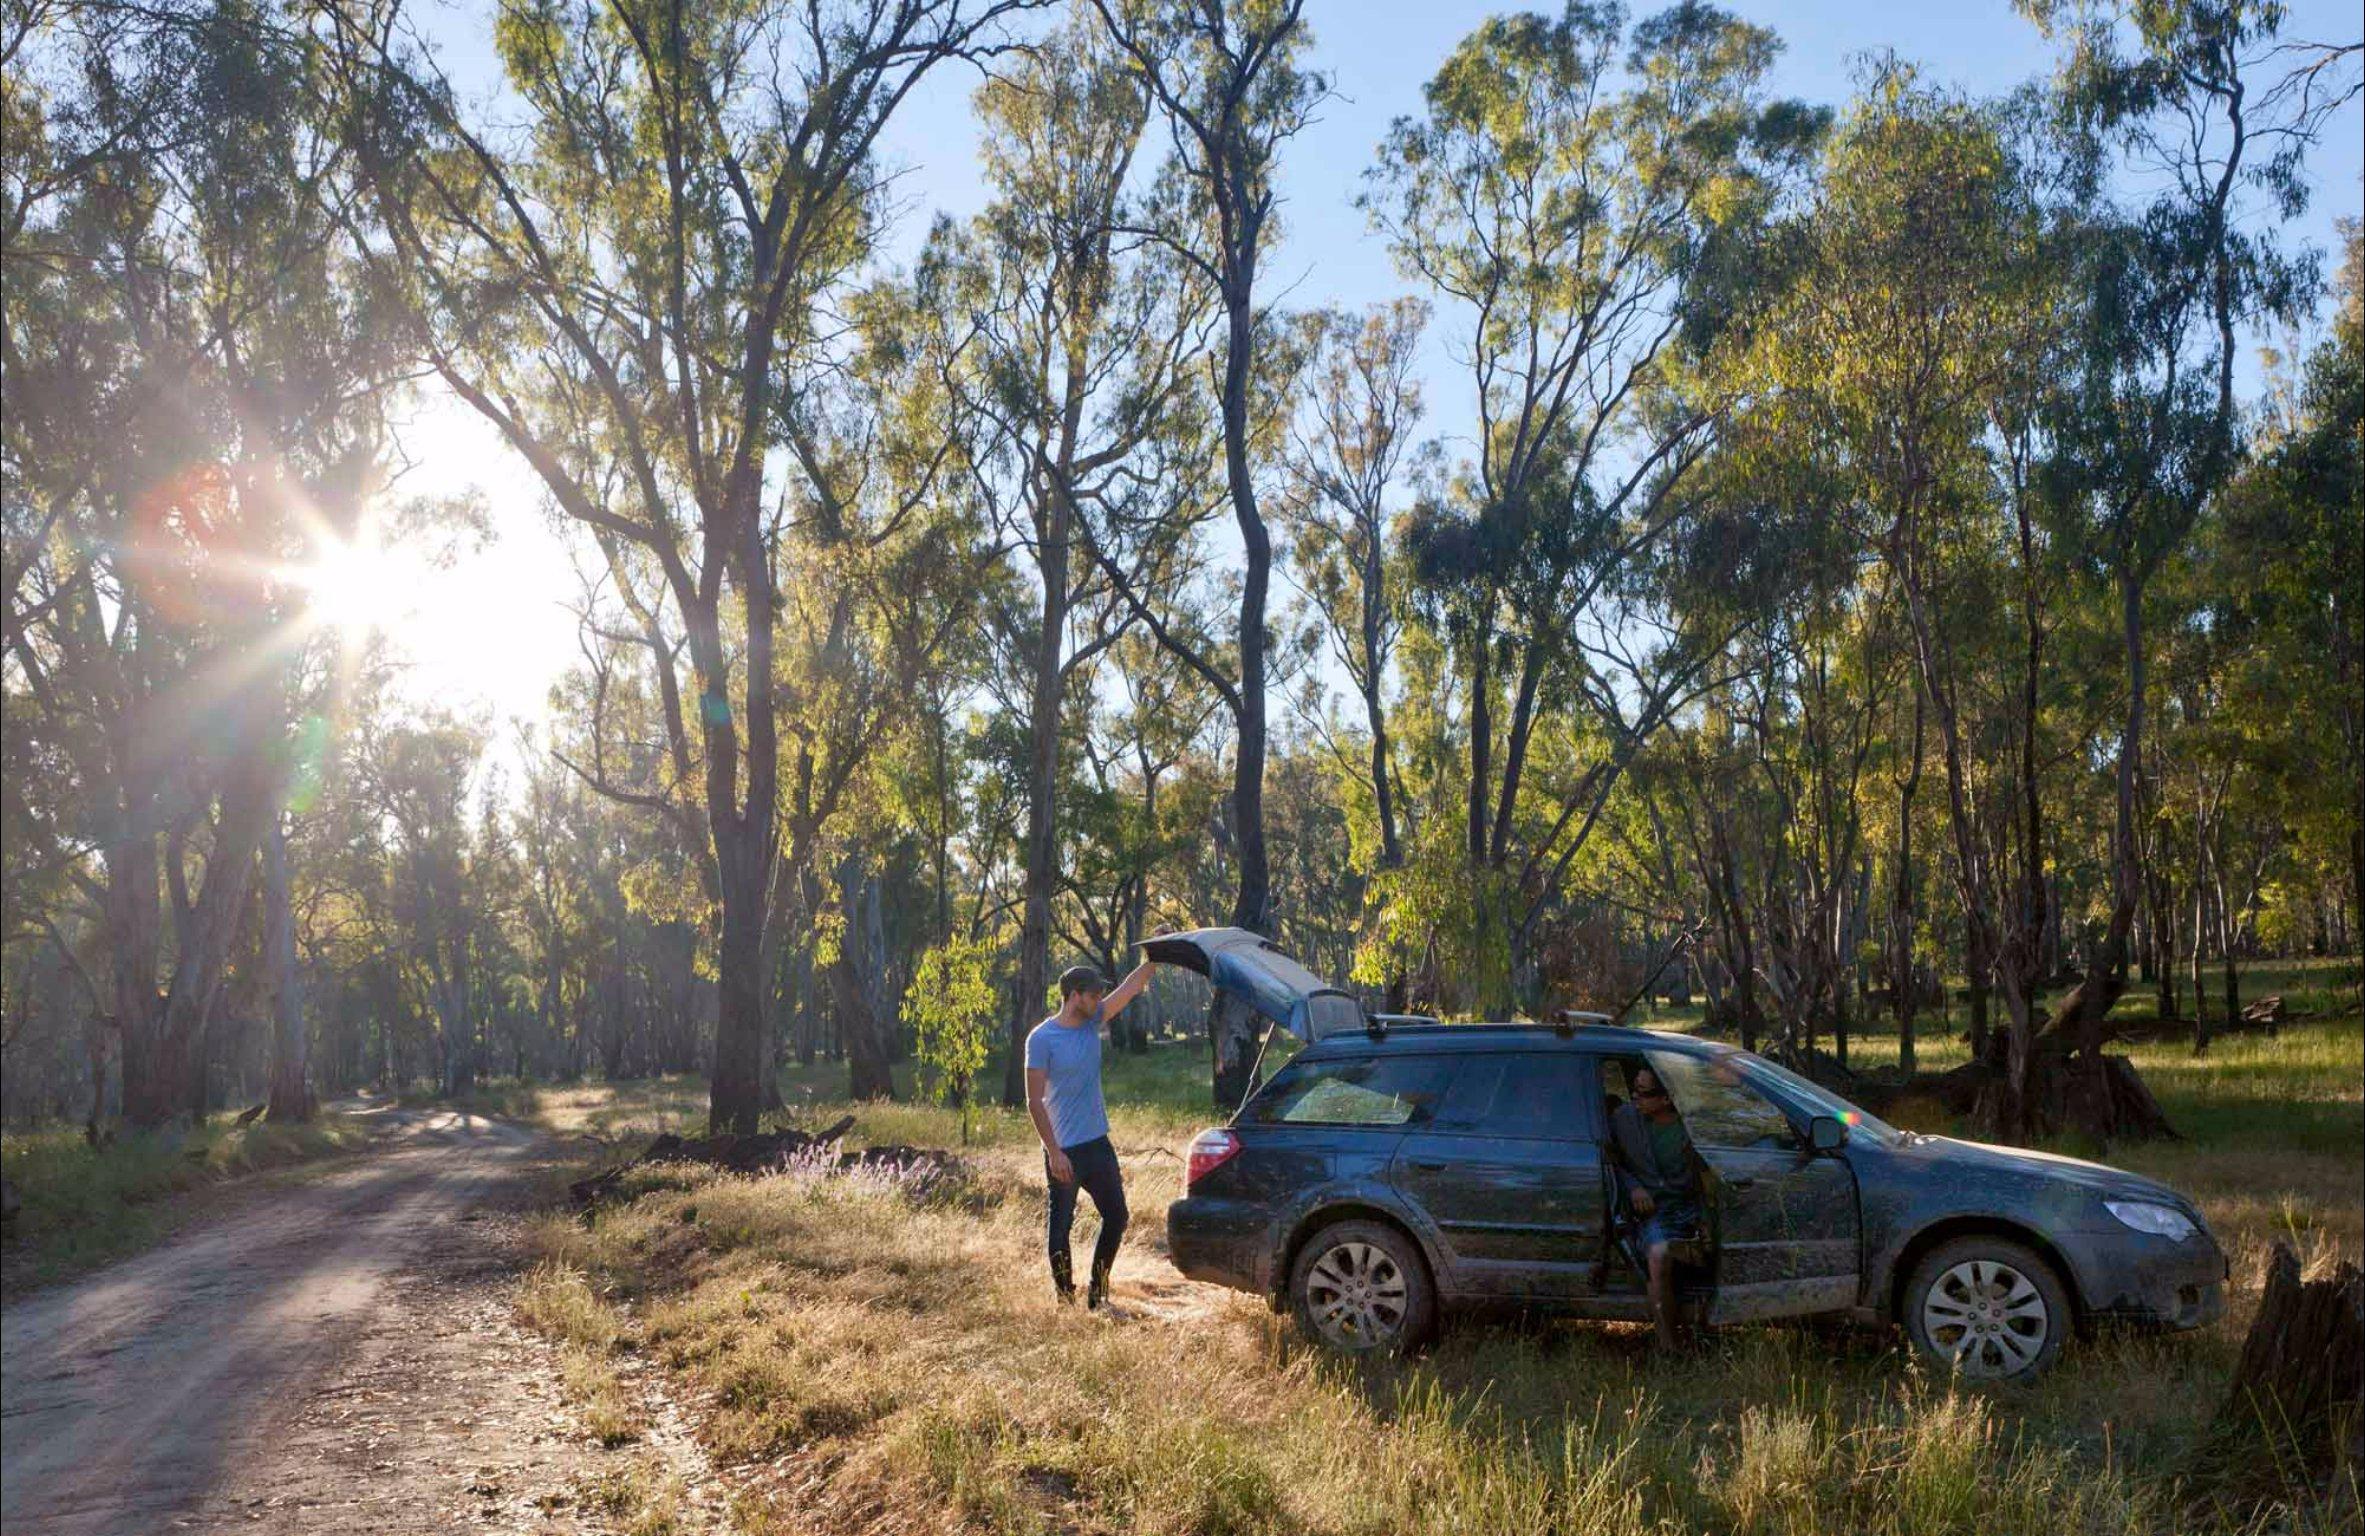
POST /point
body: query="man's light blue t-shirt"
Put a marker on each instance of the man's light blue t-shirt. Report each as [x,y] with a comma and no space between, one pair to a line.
[1069,1055]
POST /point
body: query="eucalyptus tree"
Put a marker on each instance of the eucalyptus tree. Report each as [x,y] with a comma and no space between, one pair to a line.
[2179,103]
[437,878]
[1077,349]
[1589,196]
[1145,798]
[196,377]
[1917,287]
[638,292]
[1353,446]
[1229,79]
[2290,524]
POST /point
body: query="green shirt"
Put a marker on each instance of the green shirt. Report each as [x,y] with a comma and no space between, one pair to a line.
[1668,1143]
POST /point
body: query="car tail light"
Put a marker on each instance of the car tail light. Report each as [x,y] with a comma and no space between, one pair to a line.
[1210,1150]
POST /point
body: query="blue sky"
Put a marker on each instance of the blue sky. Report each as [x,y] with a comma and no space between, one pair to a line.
[496,631]
[1381,53]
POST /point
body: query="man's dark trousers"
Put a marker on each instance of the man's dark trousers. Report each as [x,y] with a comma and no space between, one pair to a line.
[1097,1174]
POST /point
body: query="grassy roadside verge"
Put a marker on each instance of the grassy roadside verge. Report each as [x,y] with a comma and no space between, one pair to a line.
[855,1362]
[85,1208]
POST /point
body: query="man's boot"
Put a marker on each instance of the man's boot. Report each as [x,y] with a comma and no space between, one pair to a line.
[1063,1278]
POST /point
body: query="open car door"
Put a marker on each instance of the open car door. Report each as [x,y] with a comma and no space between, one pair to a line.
[1247,965]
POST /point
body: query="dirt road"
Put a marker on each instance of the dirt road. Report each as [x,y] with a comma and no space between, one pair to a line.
[334,1355]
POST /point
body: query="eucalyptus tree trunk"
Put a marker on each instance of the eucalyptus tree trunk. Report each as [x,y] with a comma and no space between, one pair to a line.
[171,1035]
[2201,962]
[1904,990]
[291,1042]
[863,1031]
[1042,832]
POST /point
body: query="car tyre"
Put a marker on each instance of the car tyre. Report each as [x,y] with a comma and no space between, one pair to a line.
[1987,1308]
[1362,1288]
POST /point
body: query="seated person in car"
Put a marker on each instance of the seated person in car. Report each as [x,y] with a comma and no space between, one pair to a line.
[1659,1174]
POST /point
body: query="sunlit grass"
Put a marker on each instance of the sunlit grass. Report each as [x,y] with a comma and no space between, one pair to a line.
[858,1362]
[84,1208]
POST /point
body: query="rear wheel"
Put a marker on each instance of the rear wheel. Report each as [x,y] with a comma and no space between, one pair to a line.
[1361,1287]
[1987,1308]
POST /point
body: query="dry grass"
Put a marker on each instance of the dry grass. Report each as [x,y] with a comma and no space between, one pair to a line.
[857,1362]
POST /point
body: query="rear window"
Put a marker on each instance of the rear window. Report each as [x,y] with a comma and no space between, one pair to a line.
[1355,1090]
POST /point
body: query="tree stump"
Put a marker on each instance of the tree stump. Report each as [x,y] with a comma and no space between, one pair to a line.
[2294,1407]
[2105,1097]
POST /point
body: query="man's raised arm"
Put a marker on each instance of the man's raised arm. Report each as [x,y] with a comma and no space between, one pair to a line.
[1127,990]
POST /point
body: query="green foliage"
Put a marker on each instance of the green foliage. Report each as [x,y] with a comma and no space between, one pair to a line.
[1437,915]
[953,1009]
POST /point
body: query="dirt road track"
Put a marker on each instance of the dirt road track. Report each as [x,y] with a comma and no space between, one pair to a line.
[331,1356]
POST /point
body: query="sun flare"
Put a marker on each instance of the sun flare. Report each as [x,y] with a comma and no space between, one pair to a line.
[362,587]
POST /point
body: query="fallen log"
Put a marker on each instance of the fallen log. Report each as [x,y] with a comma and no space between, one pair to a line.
[2293,1409]
[2267,1013]
[2100,1096]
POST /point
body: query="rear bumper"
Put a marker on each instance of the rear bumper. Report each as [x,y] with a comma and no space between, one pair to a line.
[2133,1277]
[1224,1242]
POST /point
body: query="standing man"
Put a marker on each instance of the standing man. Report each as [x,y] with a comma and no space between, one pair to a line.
[1063,1097]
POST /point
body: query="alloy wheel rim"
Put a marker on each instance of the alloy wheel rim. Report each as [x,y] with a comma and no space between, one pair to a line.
[1986,1318]
[1356,1295]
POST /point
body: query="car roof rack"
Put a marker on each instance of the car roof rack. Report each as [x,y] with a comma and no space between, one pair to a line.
[1564,1024]
[1406,1018]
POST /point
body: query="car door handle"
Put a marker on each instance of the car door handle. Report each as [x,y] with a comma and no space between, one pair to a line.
[1739,1183]
[1428,1164]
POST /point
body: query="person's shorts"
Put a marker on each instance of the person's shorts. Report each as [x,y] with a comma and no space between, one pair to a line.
[1671,1220]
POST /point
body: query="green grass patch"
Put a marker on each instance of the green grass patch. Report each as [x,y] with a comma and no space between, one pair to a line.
[85,1207]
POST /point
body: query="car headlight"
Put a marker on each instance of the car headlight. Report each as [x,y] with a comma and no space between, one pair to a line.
[2159,1220]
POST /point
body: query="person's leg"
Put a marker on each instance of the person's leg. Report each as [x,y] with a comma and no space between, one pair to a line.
[1662,1291]
[1062,1221]
[1101,1177]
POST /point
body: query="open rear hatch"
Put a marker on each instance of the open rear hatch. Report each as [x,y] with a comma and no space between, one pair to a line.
[1247,965]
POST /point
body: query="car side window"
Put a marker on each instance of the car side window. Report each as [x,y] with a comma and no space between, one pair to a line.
[1469,1102]
[1720,1107]
[1544,1095]
[1361,1090]
[1528,1093]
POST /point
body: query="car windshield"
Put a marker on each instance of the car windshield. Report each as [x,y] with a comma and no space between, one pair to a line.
[1816,1099]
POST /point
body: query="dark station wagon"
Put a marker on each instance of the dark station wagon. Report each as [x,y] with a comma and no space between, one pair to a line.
[1393,1171]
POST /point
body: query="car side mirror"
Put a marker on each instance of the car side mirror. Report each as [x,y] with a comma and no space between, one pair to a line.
[1825,1133]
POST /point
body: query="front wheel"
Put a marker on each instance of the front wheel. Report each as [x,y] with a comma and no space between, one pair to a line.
[1361,1287]
[1987,1308]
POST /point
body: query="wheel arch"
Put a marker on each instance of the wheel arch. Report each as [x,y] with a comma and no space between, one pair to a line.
[1948,1228]
[1330,1214]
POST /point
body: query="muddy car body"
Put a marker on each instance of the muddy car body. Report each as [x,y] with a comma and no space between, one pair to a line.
[1389,1173]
